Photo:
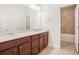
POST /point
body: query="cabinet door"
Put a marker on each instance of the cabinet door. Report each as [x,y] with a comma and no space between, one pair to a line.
[35,39]
[34,43]
[10,51]
[41,45]
[25,49]
[35,51]
[45,40]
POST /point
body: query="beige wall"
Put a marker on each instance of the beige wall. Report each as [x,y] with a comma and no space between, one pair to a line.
[68,19]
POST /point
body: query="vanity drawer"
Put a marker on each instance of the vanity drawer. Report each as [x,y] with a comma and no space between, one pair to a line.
[43,34]
[36,36]
[6,45]
[23,40]
[10,51]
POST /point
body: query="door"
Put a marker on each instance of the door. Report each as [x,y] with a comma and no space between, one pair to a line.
[25,49]
[11,51]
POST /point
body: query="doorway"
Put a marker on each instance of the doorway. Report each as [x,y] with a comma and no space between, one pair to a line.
[68,28]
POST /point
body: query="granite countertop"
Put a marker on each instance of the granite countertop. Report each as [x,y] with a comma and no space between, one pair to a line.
[12,36]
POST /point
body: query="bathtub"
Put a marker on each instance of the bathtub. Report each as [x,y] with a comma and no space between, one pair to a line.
[68,37]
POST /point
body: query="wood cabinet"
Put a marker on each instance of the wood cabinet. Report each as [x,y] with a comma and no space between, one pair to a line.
[43,40]
[10,51]
[25,46]
[25,49]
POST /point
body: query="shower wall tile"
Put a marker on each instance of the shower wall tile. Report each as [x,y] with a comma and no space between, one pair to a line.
[68,19]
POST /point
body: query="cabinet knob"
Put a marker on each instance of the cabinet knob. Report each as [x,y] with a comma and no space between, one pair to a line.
[15,49]
[20,47]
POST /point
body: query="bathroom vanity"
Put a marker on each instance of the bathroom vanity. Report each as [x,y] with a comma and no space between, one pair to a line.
[24,44]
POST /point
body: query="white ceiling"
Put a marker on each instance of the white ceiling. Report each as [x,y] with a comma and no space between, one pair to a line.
[60,5]
[43,6]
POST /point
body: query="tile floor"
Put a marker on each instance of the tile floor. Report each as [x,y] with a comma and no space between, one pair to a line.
[66,49]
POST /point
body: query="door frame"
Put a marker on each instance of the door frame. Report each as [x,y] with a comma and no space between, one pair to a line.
[76,27]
